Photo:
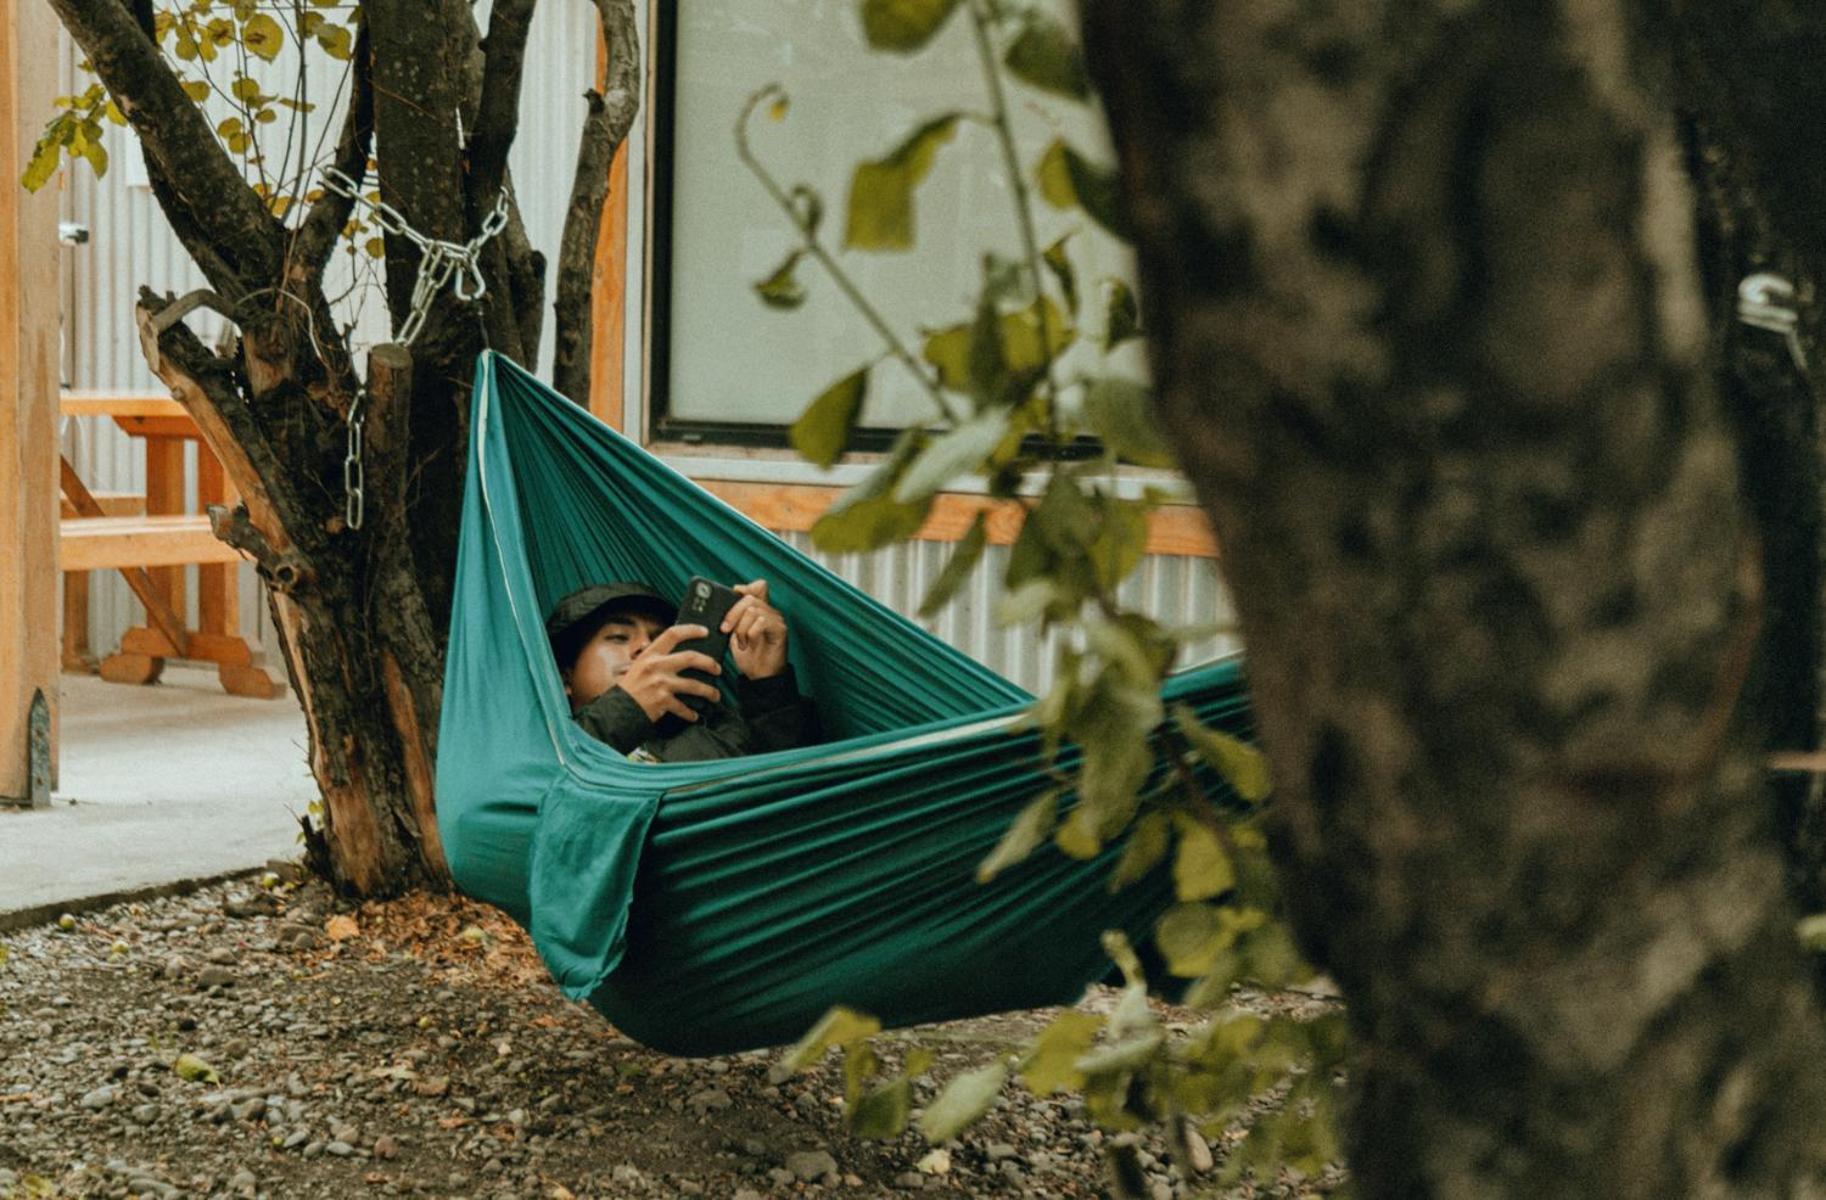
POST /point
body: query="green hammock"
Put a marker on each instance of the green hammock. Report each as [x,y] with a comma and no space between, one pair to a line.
[714,906]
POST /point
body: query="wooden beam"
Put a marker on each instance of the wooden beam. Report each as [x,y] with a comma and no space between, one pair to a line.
[1179,529]
[609,285]
[119,404]
[29,636]
[108,543]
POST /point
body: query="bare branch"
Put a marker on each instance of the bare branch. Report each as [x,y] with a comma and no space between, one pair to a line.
[223,223]
[317,235]
[611,116]
[498,116]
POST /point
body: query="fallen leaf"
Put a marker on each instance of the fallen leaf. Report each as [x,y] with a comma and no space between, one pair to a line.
[341,929]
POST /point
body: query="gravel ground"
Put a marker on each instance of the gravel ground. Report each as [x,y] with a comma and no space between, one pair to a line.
[249,1042]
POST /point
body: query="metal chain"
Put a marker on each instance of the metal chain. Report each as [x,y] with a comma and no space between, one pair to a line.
[354,474]
[441,262]
[1766,301]
[456,263]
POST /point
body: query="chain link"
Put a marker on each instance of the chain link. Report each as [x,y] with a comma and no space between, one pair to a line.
[1766,301]
[441,263]
[354,473]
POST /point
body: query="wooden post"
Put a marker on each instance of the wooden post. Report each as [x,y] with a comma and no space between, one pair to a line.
[609,285]
[29,635]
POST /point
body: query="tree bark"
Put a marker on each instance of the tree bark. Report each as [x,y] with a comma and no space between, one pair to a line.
[1429,325]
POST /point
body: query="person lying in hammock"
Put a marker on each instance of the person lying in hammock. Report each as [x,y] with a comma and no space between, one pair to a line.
[618,653]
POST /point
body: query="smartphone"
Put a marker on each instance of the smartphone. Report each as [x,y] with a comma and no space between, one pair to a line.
[706,603]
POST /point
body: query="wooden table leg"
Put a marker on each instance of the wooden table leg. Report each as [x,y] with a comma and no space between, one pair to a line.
[219,602]
[142,658]
[76,655]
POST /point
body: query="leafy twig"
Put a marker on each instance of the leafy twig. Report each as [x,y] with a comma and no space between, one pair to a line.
[814,247]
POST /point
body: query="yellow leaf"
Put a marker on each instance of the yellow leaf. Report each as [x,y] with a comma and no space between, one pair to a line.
[341,929]
[263,36]
[1201,869]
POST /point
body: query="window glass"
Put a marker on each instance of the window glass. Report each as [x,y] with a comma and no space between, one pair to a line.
[730,359]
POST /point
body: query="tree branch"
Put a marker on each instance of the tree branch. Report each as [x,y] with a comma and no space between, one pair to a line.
[322,226]
[498,115]
[611,116]
[223,224]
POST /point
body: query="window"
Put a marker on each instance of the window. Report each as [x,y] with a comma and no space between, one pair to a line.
[727,369]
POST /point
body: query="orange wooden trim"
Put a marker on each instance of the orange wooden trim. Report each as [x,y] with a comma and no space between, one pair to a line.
[180,427]
[609,284]
[1179,529]
[112,504]
[106,543]
[120,404]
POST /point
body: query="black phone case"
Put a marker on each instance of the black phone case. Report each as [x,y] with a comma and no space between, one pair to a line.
[706,603]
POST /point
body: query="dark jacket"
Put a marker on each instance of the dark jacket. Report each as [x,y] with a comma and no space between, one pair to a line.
[770,714]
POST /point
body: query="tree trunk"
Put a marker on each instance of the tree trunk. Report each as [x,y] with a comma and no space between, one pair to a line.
[360,593]
[1427,315]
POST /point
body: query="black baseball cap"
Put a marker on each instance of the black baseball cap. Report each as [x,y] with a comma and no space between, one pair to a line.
[578,615]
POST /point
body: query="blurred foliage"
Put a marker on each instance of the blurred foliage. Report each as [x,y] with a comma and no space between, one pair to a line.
[1001,414]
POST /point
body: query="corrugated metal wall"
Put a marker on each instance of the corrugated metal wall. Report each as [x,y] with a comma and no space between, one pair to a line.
[131,245]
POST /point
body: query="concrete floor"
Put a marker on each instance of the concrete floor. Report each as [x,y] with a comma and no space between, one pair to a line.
[158,785]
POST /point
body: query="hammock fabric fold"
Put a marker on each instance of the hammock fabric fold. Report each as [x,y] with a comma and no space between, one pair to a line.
[715,906]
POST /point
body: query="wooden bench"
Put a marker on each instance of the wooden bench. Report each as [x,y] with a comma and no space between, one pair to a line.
[150,539]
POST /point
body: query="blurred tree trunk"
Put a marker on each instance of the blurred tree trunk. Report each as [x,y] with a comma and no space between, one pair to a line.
[1486,453]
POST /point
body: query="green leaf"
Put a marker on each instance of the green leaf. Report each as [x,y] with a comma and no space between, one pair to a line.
[1069,180]
[881,192]
[957,452]
[963,560]
[1123,320]
[867,517]
[837,1027]
[1022,836]
[965,1099]
[1077,836]
[1201,869]
[883,1112]
[97,156]
[1121,412]
[782,289]
[337,42]
[1810,930]
[1048,1065]
[263,36]
[1242,766]
[1146,845]
[824,429]
[45,157]
[194,1069]
[1128,1054]
[1191,937]
[1046,56]
[904,25]
[1061,266]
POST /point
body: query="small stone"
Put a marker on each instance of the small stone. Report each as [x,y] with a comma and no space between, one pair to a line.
[937,1162]
[339,1149]
[629,1175]
[709,1100]
[997,1151]
[145,1114]
[313,1149]
[1162,1191]
[215,977]
[242,1181]
[295,1139]
[911,1181]
[99,1098]
[386,1147]
[746,1194]
[809,1165]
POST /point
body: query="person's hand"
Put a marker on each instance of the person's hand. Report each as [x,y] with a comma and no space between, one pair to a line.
[757,632]
[656,680]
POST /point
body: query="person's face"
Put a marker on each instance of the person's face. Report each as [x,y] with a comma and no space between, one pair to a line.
[603,660]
